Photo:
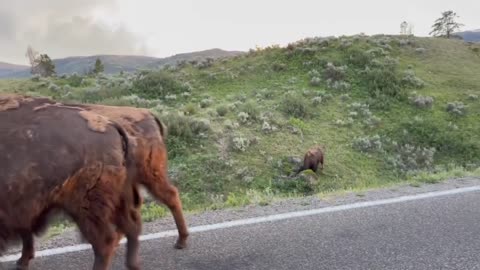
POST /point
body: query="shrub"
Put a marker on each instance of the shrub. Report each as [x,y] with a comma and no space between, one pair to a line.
[75,80]
[316,101]
[54,88]
[187,86]
[344,123]
[422,102]
[360,109]
[66,88]
[420,50]
[206,63]
[251,109]
[277,67]
[338,85]
[411,80]
[410,159]
[368,144]
[295,106]
[190,109]
[230,125]
[334,73]
[313,73]
[239,143]
[299,184]
[266,93]
[267,128]
[472,97]
[35,78]
[204,103]
[448,142]
[131,100]
[157,84]
[186,128]
[359,58]
[222,110]
[382,82]
[171,97]
[376,52]
[243,117]
[344,97]
[373,121]
[456,108]
[315,81]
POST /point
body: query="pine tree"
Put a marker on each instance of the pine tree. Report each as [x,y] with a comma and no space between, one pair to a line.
[99,67]
[446,25]
[43,66]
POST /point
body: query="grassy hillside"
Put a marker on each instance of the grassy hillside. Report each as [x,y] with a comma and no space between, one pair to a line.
[387,109]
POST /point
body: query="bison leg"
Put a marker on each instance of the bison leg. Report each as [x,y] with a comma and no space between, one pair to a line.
[168,194]
[129,223]
[101,235]
[103,248]
[28,251]
[314,166]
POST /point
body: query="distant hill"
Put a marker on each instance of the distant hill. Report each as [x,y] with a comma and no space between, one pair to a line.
[471,36]
[113,63]
[212,53]
[6,68]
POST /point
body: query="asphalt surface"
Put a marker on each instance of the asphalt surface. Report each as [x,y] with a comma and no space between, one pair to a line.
[435,233]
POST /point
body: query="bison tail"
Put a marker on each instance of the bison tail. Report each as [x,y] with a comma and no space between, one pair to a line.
[128,152]
[161,126]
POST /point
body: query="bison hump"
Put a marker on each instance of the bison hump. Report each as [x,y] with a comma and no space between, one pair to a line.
[95,121]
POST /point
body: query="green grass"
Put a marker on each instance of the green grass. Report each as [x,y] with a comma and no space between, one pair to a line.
[273,85]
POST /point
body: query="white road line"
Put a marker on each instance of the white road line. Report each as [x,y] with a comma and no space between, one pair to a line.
[256,220]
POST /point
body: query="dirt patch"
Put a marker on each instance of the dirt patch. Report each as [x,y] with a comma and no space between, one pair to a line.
[95,121]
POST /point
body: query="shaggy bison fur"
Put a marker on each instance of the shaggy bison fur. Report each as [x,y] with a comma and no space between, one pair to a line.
[148,134]
[55,157]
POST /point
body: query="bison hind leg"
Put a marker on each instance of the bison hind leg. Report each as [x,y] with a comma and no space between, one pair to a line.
[128,222]
[168,195]
[28,251]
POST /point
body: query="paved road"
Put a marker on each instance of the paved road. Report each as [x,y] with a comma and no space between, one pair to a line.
[435,233]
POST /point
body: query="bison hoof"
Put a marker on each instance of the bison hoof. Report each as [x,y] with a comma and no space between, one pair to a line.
[131,267]
[180,244]
[21,267]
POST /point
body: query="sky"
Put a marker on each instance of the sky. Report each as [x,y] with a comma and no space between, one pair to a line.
[161,28]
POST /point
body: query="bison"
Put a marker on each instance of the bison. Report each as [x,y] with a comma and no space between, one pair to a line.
[148,133]
[56,157]
[311,160]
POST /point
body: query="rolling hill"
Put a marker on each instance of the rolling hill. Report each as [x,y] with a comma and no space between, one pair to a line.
[6,68]
[113,63]
[387,109]
[470,36]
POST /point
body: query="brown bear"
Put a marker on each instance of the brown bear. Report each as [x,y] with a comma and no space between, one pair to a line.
[313,157]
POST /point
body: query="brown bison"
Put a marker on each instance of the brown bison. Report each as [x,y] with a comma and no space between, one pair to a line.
[150,154]
[146,135]
[55,157]
[312,159]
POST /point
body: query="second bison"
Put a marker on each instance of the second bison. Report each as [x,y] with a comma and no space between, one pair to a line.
[313,159]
